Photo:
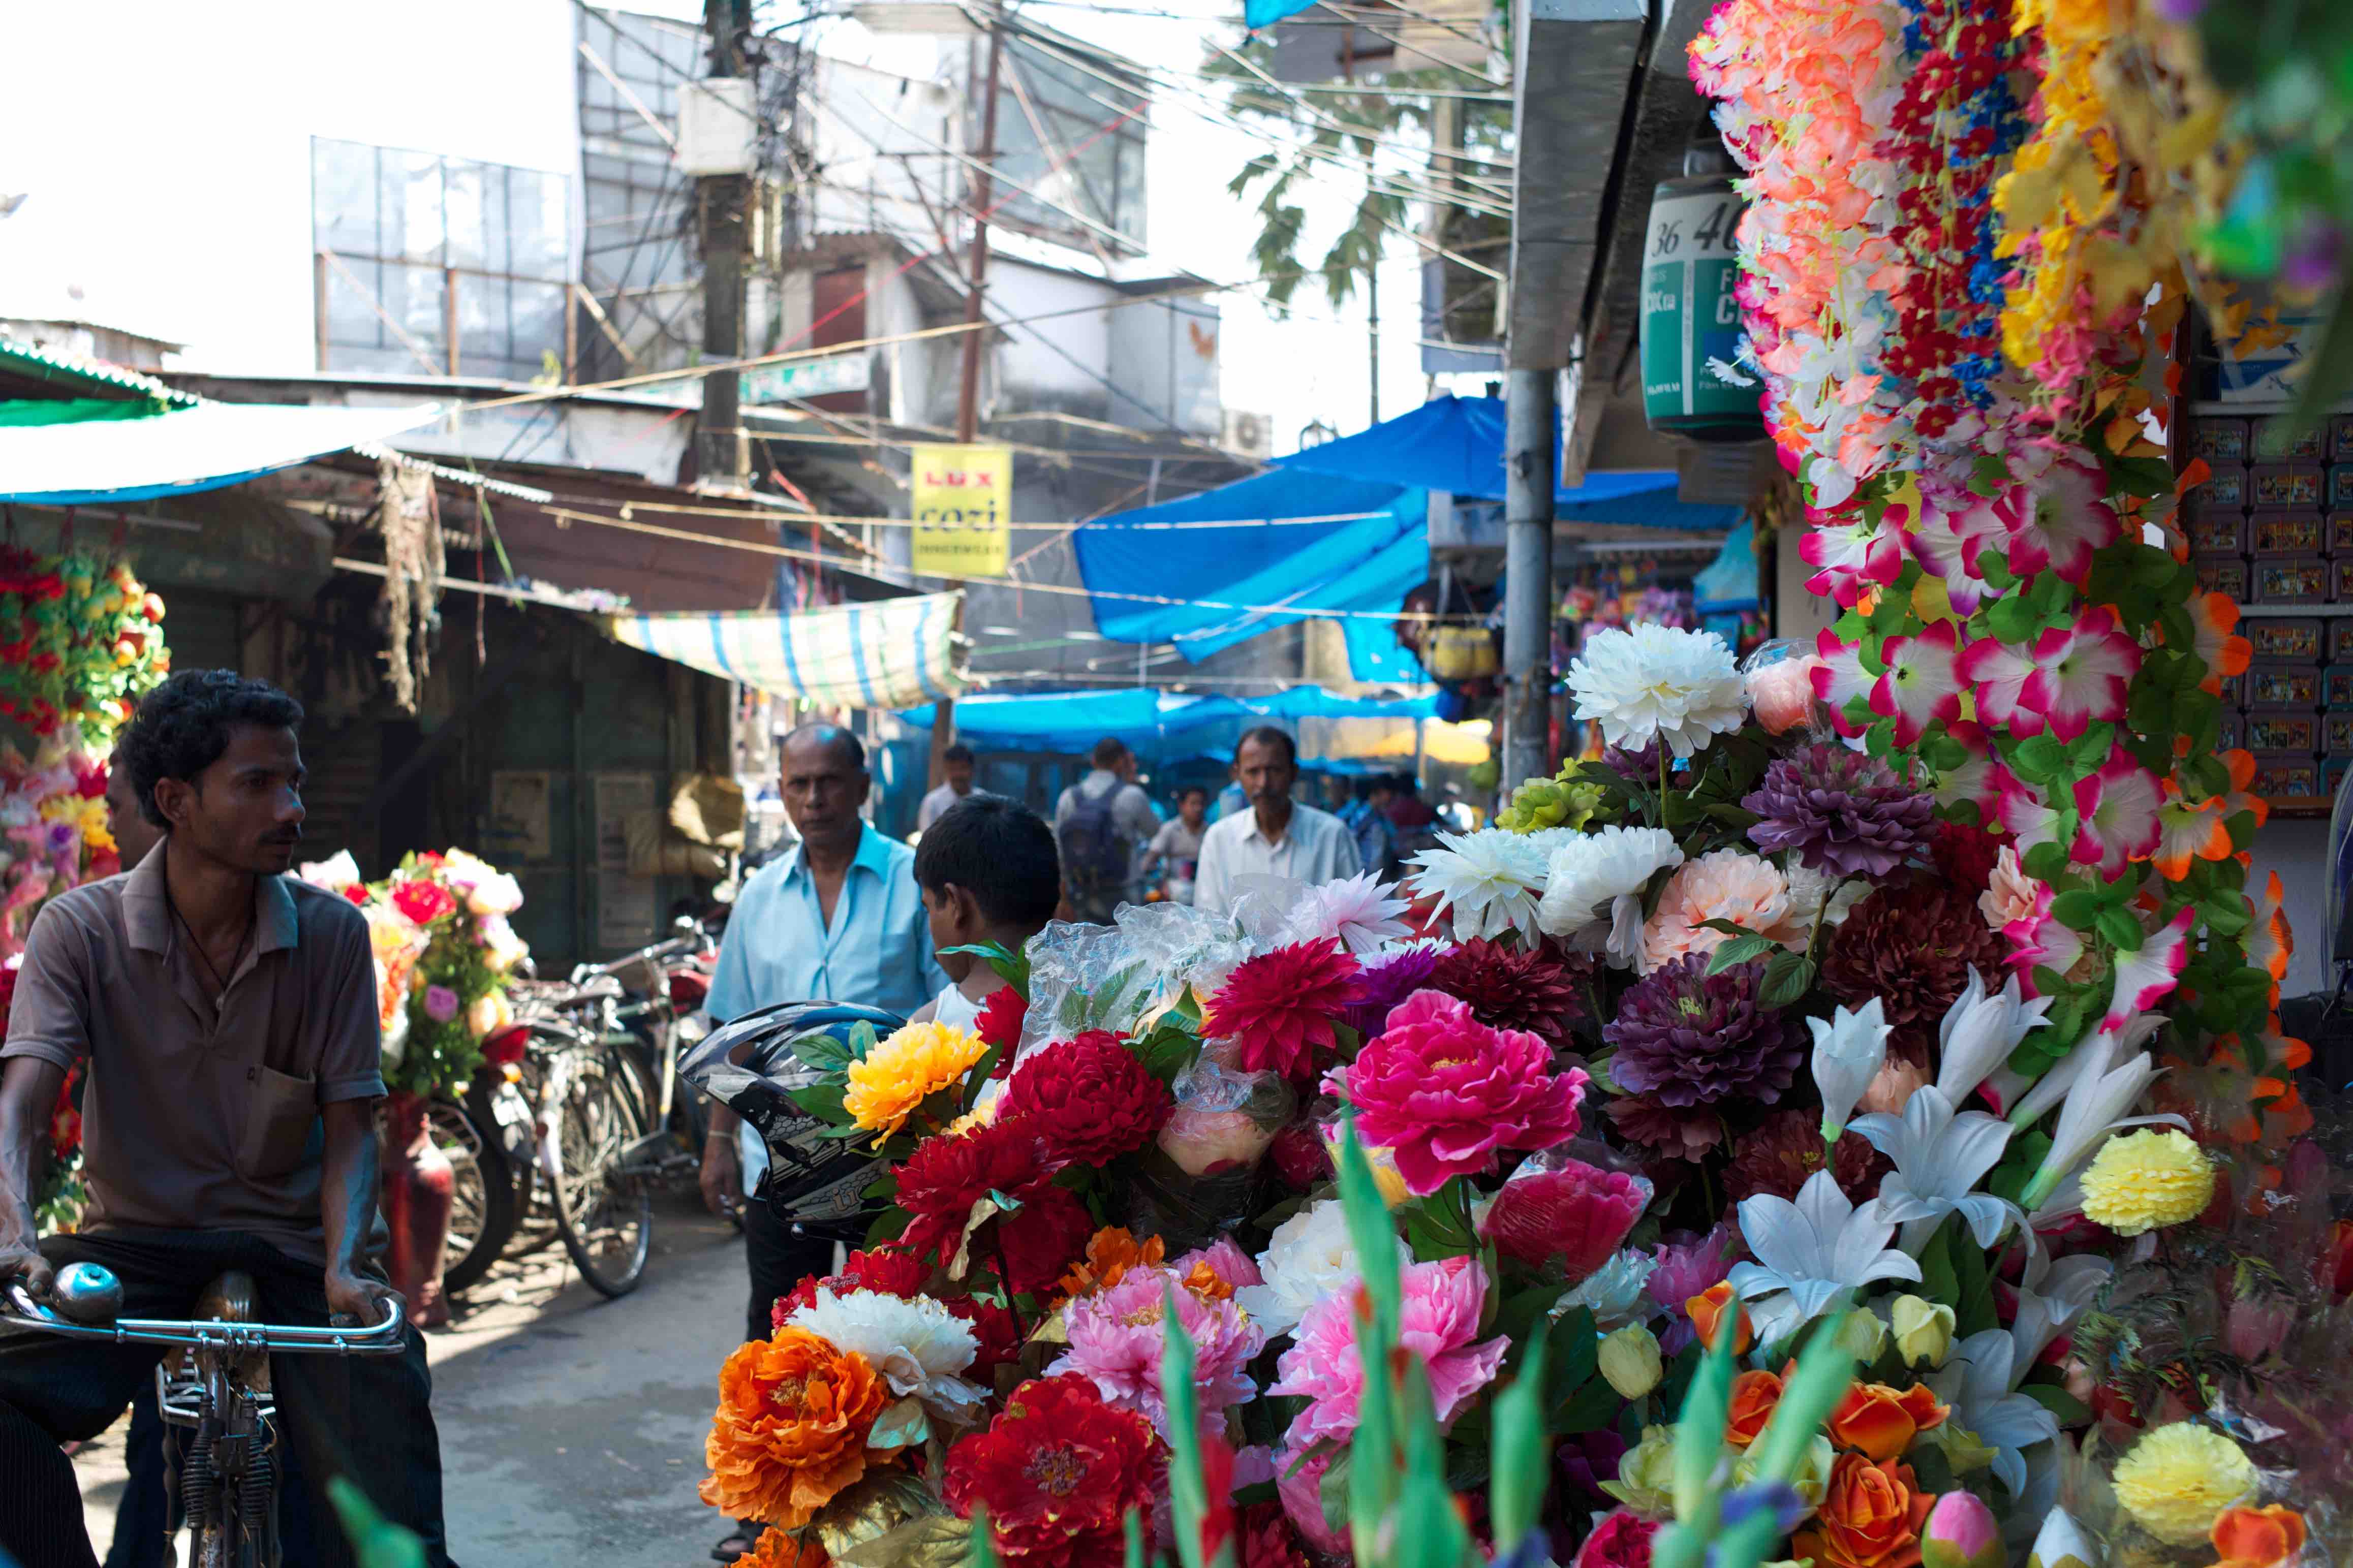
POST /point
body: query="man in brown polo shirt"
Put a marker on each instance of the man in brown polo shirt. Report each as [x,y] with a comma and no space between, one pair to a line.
[228,1013]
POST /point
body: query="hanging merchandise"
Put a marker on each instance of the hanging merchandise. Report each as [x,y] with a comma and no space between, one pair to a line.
[410,516]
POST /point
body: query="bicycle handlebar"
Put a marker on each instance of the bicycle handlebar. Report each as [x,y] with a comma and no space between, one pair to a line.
[383,1338]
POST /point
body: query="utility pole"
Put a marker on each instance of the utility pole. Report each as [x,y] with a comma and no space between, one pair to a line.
[1530,424]
[725,455]
[1373,321]
[984,193]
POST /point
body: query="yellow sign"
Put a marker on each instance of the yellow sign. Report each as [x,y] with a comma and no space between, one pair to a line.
[963,507]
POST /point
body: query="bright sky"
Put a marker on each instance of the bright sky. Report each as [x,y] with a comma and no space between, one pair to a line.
[1312,364]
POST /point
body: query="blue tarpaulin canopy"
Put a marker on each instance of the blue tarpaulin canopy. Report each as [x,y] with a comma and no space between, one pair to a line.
[1364,547]
[1073,721]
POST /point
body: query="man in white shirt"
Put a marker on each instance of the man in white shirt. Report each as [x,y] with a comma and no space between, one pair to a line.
[1101,825]
[1277,837]
[957,763]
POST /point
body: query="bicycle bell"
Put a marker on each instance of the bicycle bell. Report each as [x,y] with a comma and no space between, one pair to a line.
[86,1293]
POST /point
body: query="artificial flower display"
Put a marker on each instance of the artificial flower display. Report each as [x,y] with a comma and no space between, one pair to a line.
[794,1417]
[890,1082]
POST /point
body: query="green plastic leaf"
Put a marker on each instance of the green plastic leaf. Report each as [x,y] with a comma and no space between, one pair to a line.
[1741,949]
[1521,1457]
[822,1101]
[2077,909]
[2120,928]
[2046,861]
[1787,977]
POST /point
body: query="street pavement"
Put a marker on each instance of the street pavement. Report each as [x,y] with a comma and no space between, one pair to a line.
[572,1426]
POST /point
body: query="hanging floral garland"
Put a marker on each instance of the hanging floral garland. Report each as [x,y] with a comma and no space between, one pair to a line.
[80,639]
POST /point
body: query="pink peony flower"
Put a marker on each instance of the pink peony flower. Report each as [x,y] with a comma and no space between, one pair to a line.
[1224,1261]
[1445,1092]
[1299,1485]
[1576,1212]
[1623,1539]
[1723,885]
[1686,1269]
[440,1003]
[1116,1335]
[1438,1322]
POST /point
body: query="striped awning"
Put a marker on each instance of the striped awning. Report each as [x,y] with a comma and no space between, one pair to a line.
[888,653]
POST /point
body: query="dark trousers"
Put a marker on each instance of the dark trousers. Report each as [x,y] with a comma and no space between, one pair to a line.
[780,1258]
[366,1418]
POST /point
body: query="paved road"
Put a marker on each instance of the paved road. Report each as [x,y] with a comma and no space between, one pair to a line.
[571,1427]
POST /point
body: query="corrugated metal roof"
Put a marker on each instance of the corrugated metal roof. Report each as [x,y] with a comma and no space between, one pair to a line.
[74,373]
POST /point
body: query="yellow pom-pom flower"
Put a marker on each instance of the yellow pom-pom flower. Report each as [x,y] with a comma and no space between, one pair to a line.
[2141,1180]
[2178,1477]
[897,1075]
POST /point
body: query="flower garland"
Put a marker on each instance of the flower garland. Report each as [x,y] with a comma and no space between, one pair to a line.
[443,952]
[79,643]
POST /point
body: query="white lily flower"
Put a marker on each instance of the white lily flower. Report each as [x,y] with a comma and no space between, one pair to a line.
[2063,1543]
[1980,1383]
[1811,1254]
[2094,1052]
[1850,1048]
[2051,1295]
[1940,1157]
[1979,1031]
[2094,1107]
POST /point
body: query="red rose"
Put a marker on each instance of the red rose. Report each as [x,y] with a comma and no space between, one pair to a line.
[1300,1157]
[1059,1472]
[421,902]
[1088,1100]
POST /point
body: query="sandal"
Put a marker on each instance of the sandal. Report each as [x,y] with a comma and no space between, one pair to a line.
[746,1539]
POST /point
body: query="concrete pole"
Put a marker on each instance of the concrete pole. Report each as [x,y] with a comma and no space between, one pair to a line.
[1531,424]
[725,454]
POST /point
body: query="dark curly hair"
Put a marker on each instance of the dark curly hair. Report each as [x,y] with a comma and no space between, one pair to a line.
[183,727]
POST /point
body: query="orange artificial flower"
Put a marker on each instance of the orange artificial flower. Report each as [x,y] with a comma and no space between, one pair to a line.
[1882,1422]
[791,1428]
[1707,1310]
[1111,1253]
[777,1549]
[1870,1517]
[1754,1395]
[1204,1282]
[2258,1537]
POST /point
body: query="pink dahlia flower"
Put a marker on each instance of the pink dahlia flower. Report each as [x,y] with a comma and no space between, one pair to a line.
[1445,1092]
[1279,1008]
[1438,1322]
[1115,1339]
[1577,1212]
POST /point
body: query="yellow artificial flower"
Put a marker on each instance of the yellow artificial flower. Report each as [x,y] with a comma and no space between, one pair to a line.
[2141,1180]
[898,1075]
[2178,1477]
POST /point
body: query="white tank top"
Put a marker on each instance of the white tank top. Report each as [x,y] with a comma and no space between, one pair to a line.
[955,1010]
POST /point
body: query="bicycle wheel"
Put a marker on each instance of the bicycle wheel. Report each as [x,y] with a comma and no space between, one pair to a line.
[604,1212]
[481,1195]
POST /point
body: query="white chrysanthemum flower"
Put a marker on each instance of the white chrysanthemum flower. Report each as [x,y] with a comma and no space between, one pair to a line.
[1490,879]
[1308,1258]
[1658,683]
[1356,911]
[1594,890]
[918,1346]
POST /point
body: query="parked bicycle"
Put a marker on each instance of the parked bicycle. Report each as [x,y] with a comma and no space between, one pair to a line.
[222,1433]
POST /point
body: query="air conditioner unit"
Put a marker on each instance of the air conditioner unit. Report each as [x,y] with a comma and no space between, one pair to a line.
[718,122]
[1248,435]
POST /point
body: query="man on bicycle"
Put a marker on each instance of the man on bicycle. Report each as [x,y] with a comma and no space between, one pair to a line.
[228,1016]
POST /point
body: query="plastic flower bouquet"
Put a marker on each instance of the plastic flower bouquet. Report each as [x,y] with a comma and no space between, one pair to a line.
[443,952]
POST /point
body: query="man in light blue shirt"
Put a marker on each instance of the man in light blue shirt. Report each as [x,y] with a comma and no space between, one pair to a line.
[838,919]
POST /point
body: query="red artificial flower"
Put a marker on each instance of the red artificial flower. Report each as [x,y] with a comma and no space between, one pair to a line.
[887,1270]
[356,892]
[1089,1100]
[1269,1540]
[1058,1472]
[1042,1240]
[1964,854]
[1621,1540]
[422,901]
[1577,1212]
[1279,1008]
[1000,1021]
[995,1329]
[1300,1157]
[948,1174]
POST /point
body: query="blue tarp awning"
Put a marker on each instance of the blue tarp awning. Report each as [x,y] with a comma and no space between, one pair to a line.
[1073,721]
[1366,549]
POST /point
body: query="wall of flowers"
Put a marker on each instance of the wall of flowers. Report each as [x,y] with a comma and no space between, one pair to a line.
[1846,1123]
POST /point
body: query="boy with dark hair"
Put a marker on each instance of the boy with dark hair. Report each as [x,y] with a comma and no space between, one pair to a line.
[988,872]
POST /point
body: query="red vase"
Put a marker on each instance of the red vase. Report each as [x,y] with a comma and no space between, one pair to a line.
[416,1199]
